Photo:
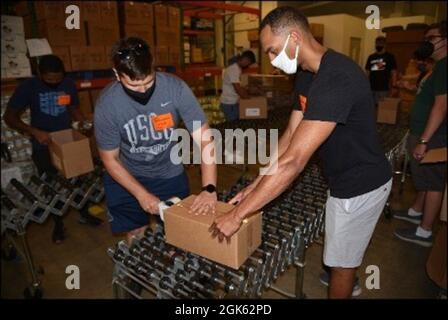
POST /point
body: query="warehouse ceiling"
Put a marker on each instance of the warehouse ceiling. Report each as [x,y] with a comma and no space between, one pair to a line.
[357,8]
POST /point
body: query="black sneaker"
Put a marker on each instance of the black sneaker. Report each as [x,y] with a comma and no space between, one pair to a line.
[87,218]
[404,215]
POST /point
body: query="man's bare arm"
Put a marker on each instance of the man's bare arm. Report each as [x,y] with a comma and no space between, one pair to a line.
[306,139]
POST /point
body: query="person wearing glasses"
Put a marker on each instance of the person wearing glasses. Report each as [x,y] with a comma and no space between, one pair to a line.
[53,102]
[134,119]
[427,131]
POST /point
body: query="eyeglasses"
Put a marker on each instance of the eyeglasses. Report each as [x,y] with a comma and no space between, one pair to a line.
[127,54]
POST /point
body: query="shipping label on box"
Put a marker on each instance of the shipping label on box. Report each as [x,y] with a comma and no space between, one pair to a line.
[190,232]
[70,153]
[13,44]
[254,108]
[388,110]
[12,26]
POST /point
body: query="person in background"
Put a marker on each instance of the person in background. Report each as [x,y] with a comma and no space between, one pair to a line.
[232,91]
[427,131]
[381,69]
[424,67]
[53,102]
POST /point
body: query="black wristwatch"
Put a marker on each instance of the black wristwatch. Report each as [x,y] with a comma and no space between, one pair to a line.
[210,188]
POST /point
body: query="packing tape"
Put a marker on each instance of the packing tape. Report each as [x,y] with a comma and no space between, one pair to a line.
[163,205]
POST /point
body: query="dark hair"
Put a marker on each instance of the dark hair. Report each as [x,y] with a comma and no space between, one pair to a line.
[50,63]
[380,39]
[285,17]
[441,26]
[132,57]
[248,55]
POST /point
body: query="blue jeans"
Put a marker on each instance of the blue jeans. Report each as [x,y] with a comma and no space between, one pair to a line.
[231,111]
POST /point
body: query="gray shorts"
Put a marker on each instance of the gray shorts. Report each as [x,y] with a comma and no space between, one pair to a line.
[427,177]
[349,225]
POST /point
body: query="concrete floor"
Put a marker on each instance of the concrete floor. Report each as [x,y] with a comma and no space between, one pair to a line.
[401,264]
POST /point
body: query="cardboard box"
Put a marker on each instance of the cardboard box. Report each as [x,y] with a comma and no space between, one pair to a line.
[50,9]
[12,26]
[253,35]
[63,52]
[100,34]
[138,13]
[141,31]
[85,105]
[162,56]
[109,12]
[168,37]
[13,45]
[88,58]
[160,15]
[70,153]
[79,57]
[254,108]
[58,35]
[174,18]
[90,11]
[317,30]
[175,55]
[435,156]
[98,58]
[191,233]
[388,110]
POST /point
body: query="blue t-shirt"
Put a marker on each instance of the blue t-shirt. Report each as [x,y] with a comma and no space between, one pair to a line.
[48,106]
[121,123]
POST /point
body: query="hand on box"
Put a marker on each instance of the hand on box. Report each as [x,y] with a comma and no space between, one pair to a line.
[41,136]
[225,226]
[204,203]
[419,151]
[149,203]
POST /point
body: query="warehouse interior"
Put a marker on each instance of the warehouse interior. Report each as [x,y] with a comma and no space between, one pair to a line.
[278,252]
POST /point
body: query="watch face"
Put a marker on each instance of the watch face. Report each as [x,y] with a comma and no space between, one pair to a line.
[210,188]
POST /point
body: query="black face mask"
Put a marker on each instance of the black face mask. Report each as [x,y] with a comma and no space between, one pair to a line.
[425,50]
[379,48]
[140,97]
[52,86]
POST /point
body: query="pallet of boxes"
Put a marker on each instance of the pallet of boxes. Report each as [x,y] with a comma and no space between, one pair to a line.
[168,38]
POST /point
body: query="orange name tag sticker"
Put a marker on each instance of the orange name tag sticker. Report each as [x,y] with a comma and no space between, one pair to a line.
[163,121]
[64,100]
[302,102]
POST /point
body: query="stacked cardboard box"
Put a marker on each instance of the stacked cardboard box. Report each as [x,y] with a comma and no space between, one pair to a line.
[138,20]
[167,22]
[15,63]
[276,88]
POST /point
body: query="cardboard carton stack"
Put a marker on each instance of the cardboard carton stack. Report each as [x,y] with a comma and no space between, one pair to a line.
[15,63]
[168,42]
[80,49]
[138,18]
[276,88]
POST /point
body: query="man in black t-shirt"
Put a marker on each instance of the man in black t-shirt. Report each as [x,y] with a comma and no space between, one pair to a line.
[381,68]
[334,113]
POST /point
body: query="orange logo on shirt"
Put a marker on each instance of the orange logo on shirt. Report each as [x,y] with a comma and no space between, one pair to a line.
[302,101]
[64,100]
[163,121]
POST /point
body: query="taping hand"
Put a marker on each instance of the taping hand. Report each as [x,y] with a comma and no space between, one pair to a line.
[149,203]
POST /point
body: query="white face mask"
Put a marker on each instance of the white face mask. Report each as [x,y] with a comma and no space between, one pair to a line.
[283,62]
